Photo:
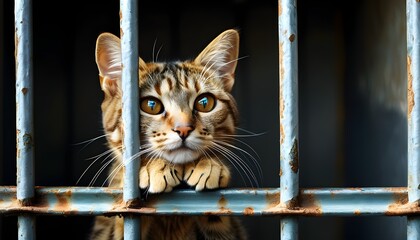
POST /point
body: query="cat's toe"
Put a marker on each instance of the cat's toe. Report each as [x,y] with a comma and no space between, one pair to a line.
[160,176]
[206,174]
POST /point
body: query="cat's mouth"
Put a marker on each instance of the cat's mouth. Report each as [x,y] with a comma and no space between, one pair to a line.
[181,154]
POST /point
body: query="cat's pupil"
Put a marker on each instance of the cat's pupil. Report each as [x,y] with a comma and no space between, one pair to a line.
[151,104]
[203,102]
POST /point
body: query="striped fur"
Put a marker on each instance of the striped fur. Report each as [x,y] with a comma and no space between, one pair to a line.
[180,141]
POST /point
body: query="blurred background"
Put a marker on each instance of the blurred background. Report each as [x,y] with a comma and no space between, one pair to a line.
[352,97]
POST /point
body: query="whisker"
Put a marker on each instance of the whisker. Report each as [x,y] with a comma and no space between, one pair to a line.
[153,50]
[221,162]
[254,160]
[103,167]
[90,141]
[96,158]
[114,172]
[230,155]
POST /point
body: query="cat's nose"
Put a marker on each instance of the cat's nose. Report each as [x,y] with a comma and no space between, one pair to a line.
[183,131]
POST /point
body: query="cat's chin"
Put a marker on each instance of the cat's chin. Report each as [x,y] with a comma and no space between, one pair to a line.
[181,155]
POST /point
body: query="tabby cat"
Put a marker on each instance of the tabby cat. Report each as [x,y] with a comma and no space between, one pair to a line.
[187,117]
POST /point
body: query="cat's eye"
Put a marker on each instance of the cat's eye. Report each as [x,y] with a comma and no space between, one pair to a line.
[205,102]
[151,105]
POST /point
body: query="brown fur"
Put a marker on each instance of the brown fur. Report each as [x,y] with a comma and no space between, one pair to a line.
[180,143]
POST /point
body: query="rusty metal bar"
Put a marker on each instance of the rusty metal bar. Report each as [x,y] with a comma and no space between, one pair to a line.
[24,115]
[413,112]
[289,144]
[251,202]
[130,112]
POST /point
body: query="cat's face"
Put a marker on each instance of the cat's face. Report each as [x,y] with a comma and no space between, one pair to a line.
[185,107]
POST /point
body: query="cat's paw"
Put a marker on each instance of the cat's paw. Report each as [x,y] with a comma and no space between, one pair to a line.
[159,175]
[206,174]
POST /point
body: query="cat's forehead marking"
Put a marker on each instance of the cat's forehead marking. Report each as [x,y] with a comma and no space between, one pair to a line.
[176,80]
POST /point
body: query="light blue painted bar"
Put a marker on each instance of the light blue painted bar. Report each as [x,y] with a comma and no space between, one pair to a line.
[130,82]
[27,232]
[250,202]
[289,144]
[24,100]
[130,113]
[413,116]
[413,228]
[289,184]
[289,228]
[24,115]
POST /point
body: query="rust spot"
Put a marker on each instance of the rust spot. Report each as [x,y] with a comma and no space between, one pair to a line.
[282,135]
[273,199]
[293,203]
[410,92]
[292,38]
[24,91]
[281,60]
[294,156]
[27,140]
[25,202]
[280,173]
[222,203]
[17,143]
[223,211]
[281,100]
[357,212]
[400,204]
[63,201]
[17,40]
[248,211]
[132,203]
[280,9]
[310,204]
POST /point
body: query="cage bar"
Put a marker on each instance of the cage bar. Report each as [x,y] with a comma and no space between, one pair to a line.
[289,144]
[130,112]
[413,113]
[24,115]
[251,202]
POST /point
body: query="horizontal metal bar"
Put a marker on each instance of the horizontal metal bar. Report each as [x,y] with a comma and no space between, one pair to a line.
[312,202]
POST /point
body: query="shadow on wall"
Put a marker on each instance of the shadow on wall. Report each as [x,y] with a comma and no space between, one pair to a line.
[351,96]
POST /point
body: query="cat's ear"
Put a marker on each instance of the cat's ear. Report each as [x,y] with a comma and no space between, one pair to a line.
[108,59]
[221,55]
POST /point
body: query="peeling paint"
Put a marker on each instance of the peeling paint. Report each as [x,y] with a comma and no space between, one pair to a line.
[249,211]
[292,38]
[24,91]
[272,200]
[280,10]
[282,135]
[63,201]
[310,203]
[294,156]
[410,91]
[222,203]
[27,140]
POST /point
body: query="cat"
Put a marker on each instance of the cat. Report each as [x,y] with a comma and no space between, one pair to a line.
[188,117]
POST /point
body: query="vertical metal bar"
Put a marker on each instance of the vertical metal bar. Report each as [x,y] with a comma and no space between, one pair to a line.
[130,113]
[289,145]
[24,114]
[413,112]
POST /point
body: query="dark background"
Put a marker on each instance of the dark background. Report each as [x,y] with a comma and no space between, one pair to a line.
[352,96]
